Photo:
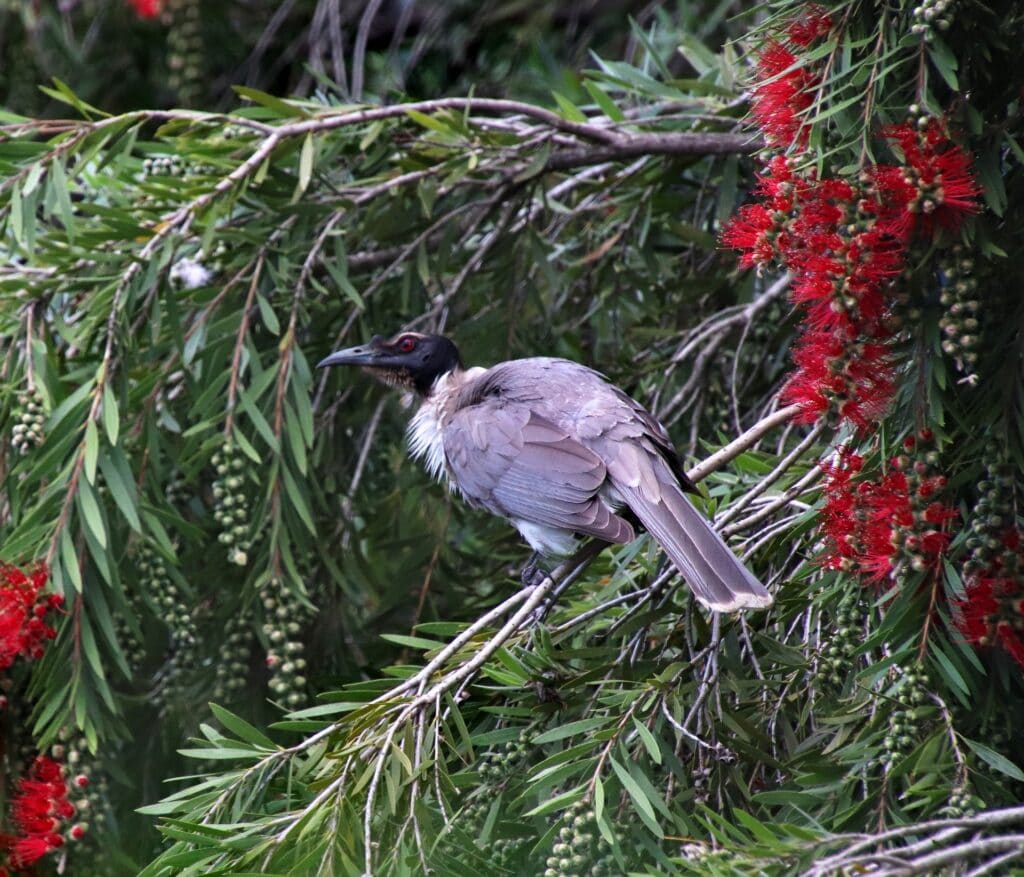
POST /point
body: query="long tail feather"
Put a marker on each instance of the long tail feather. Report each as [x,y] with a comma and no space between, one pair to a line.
[715,575]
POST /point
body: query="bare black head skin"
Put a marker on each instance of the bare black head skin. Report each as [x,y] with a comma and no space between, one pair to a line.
[409,360]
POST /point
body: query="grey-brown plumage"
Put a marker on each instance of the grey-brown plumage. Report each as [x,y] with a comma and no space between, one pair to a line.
[550,445]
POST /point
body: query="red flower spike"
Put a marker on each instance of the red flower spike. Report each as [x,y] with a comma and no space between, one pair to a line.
[871,528]
[843,242]
[991,612]
[23,630]
[782,96]
[813,23]
[935,186]
[145,8]
[1011,640]
[26,851]
[39,807]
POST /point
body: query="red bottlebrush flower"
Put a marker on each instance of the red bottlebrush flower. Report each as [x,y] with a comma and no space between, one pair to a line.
[28,850]
[22,610]
[991,612]
[935,184]
[854,379]
[841,515]
[832,237]
[38,808]
[871,528]
[814,22]
[781,97]
[145,8]
[987,612]
[977,613]
[1011,640]
[754,229]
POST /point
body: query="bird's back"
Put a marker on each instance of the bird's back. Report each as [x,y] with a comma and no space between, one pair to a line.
[579,400]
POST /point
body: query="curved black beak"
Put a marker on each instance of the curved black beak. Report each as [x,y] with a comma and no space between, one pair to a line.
[360,355]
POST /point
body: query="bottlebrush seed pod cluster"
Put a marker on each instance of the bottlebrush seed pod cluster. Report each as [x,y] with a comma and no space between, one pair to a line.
[27,432]
[284,615]
[231,503]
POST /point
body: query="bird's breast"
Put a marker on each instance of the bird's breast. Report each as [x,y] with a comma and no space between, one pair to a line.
[426,440]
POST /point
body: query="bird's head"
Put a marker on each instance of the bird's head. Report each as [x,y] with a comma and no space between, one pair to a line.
[409,360]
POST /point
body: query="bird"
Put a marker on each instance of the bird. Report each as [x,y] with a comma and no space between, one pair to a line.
[559,451]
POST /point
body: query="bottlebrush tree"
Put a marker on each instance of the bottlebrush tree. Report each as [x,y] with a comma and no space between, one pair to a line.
[796,246]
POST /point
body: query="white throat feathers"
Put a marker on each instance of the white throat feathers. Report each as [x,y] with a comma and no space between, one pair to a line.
[425,433]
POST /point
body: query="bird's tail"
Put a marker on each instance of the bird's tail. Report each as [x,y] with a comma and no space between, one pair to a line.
[715,575]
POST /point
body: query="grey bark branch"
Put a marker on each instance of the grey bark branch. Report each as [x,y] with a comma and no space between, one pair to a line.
[635,145]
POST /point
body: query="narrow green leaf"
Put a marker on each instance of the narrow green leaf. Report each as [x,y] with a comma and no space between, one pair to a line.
[645,809]
[569,110]
[580,726]
[371,135]
[298,500]
[222,754]
[248,733]
[430,122]
[69,560]
[59,184]
[649,741]
[114,467]
[279,106]
[947,670]
[601,98]
[267,315]
[535,167]
[412,642]
[14,222]
[64,94]
[944,60]
[258,420]
[92,450]
[31,181]
[92,653]
[559,802]
[293,432]
[91,513]
[994,760]
[305,164]
[599,815]
[758,829]
[246,446]
[111,419]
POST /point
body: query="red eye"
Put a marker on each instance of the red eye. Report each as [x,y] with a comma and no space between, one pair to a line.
[407,344]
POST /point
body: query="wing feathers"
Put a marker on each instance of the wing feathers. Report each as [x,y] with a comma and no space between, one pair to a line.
[515,463]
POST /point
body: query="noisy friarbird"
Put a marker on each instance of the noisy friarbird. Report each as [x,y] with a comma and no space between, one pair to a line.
[559,452]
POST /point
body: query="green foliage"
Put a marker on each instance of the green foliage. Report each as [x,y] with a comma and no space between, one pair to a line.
[230,525]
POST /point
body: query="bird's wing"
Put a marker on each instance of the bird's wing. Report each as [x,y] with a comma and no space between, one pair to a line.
[512,461]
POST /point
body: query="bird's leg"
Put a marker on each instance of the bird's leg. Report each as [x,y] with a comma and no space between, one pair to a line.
[582,558]
[533,573]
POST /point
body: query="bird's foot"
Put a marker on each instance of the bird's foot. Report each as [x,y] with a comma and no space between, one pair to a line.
[533,573]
